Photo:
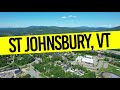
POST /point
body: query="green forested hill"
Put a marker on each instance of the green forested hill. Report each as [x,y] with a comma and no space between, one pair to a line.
[49,30]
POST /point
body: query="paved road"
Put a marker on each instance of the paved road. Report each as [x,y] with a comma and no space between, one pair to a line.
[109,51]
[36,59]
[9,64]
[112,51]
[33,73]
[105,65]
[109,75]
[100,64]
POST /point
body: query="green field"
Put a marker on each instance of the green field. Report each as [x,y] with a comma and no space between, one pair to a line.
[113,70]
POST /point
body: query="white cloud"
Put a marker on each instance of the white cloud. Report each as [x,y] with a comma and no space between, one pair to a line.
[64,17]
[116,25]
[69,16]
[107,25]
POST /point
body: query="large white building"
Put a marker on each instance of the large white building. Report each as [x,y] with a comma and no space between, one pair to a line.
[82,60]
[86,59]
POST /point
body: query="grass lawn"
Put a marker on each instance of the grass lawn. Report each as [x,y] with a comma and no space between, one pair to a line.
[86,75]
[113,70]
[42,75]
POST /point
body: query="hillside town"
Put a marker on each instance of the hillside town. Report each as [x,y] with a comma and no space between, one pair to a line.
[87,64]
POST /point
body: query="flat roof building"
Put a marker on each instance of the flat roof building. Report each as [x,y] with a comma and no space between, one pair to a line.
[87,59]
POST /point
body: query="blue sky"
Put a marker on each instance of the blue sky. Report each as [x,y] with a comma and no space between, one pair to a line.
[63,19]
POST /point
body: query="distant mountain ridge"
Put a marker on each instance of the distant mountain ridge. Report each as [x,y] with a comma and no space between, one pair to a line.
[81,27]
[51,29]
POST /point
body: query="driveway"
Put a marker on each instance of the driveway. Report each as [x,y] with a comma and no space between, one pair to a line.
[33,73]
